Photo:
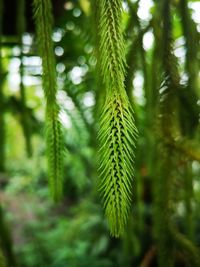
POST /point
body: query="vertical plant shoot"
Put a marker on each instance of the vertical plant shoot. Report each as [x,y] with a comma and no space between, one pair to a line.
[54,138]
[117,127]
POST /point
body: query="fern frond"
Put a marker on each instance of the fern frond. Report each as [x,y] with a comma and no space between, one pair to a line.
[117,128]
[117,140]
[54,137]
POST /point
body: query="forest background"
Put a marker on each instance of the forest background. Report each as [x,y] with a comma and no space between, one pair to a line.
[162,82]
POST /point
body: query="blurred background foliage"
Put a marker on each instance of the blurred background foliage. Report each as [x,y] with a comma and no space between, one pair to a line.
[36,232]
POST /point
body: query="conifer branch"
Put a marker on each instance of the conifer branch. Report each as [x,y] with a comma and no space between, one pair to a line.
[117,127]
[54,137]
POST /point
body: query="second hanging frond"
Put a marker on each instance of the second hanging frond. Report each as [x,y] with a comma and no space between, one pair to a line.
[54,138]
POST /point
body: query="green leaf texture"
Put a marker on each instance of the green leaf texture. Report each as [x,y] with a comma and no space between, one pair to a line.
[54,137]
[117,140]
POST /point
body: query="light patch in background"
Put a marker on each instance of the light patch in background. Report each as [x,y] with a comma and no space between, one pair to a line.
[184,79]
[29,81]
[180,208]
[76,12]
[81,60]
[70,25]
[13,82]
[179,49]
[27,39]
[65,120]
[66,104]
[196,186]
[76,74]
[195,6]
[196,166]
[14,76]
[144,9]
[138,88]
[88,99]
[16,51]
[14,64]
[68,5]
[32,61]
[57,35]
[64,100]
[148,40]
[88,48]
[60,67]
[180,54]
[180,41]
[59,51]
[125,6]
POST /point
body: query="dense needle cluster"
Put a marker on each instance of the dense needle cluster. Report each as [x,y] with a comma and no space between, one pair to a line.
[117,128]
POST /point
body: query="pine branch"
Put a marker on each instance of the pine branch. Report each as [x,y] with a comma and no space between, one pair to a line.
[117,127]
[54,137]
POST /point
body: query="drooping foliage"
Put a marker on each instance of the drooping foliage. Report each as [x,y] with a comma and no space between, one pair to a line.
[169,128]
[117,131]
[54,138]
[161,226]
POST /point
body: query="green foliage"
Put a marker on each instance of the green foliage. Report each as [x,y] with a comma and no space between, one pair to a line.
[117,129]
[43,19]
[117,135]
[161,48]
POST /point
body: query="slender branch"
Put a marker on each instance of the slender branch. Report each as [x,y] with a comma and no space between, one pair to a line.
[54,136]
[149,256]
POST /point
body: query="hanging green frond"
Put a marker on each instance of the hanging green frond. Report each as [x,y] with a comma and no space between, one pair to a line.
[43,20]
[117,136]
[112,50]
[117,128]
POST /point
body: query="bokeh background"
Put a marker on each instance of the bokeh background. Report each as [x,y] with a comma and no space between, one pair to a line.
[34,231]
